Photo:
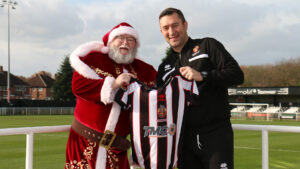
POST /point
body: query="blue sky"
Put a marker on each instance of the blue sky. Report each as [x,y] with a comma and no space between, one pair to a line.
[43,32]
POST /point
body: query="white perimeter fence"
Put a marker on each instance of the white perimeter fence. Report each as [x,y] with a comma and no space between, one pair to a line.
[11,111]
[29,131]
[240,111]
[263,111]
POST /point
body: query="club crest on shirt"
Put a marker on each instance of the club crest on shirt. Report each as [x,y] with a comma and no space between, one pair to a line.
[161,111]
[196,50]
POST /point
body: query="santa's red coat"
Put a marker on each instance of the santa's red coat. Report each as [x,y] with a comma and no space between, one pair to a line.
[93,75]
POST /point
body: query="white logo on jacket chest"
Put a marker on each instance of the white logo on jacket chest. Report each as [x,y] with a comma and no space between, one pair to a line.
[167,67]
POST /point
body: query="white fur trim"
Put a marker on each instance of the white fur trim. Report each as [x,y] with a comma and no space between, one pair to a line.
[110,125]
[124,30]
[113,117]
[104,50]
[108,93]
[82,68]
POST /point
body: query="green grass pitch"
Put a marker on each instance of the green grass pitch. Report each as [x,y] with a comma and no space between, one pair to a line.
[49,148]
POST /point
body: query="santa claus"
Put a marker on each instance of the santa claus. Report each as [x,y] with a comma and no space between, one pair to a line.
[97,138]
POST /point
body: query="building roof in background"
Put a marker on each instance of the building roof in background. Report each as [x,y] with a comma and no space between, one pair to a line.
[14,80]
[40,80]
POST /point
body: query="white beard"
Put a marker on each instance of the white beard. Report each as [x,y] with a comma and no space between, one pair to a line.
[115,55]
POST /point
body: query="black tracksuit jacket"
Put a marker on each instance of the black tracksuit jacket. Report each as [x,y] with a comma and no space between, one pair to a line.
[210,109]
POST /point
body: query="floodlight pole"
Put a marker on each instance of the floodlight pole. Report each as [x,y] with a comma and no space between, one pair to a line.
[12,4]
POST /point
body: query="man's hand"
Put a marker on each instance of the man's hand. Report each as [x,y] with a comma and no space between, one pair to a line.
[122,80]
[190,73]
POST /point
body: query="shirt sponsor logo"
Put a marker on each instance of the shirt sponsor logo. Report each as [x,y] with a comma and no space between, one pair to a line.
[159,131]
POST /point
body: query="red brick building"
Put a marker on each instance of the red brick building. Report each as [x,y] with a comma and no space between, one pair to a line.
[40,86]
[19,89]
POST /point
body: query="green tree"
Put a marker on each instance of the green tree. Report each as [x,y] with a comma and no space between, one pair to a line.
[284,73]
[168,52]
[62,87]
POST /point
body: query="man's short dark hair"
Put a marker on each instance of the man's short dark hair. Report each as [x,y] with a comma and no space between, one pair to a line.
[170,11]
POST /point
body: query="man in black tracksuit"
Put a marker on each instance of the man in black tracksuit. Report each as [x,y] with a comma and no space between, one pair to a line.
[207,141]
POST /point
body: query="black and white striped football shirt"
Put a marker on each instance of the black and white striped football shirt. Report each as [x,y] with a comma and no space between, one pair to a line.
[156,119]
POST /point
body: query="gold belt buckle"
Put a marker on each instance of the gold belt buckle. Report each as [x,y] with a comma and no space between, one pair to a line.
[104,139]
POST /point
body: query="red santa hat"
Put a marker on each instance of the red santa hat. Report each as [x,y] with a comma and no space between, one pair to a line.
[122,28]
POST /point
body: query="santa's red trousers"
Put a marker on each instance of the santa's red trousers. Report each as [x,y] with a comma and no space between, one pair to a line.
[82,154]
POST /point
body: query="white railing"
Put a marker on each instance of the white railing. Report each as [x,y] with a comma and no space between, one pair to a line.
[29,131]
[265,136]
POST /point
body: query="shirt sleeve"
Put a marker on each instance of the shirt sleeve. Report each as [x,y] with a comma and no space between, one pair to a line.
[87,89]
[227,71]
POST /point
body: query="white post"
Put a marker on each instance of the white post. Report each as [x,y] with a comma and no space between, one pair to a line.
[265,149]
[267,113]
[29,150]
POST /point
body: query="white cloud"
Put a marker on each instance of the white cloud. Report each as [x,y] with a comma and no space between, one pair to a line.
[43,32]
